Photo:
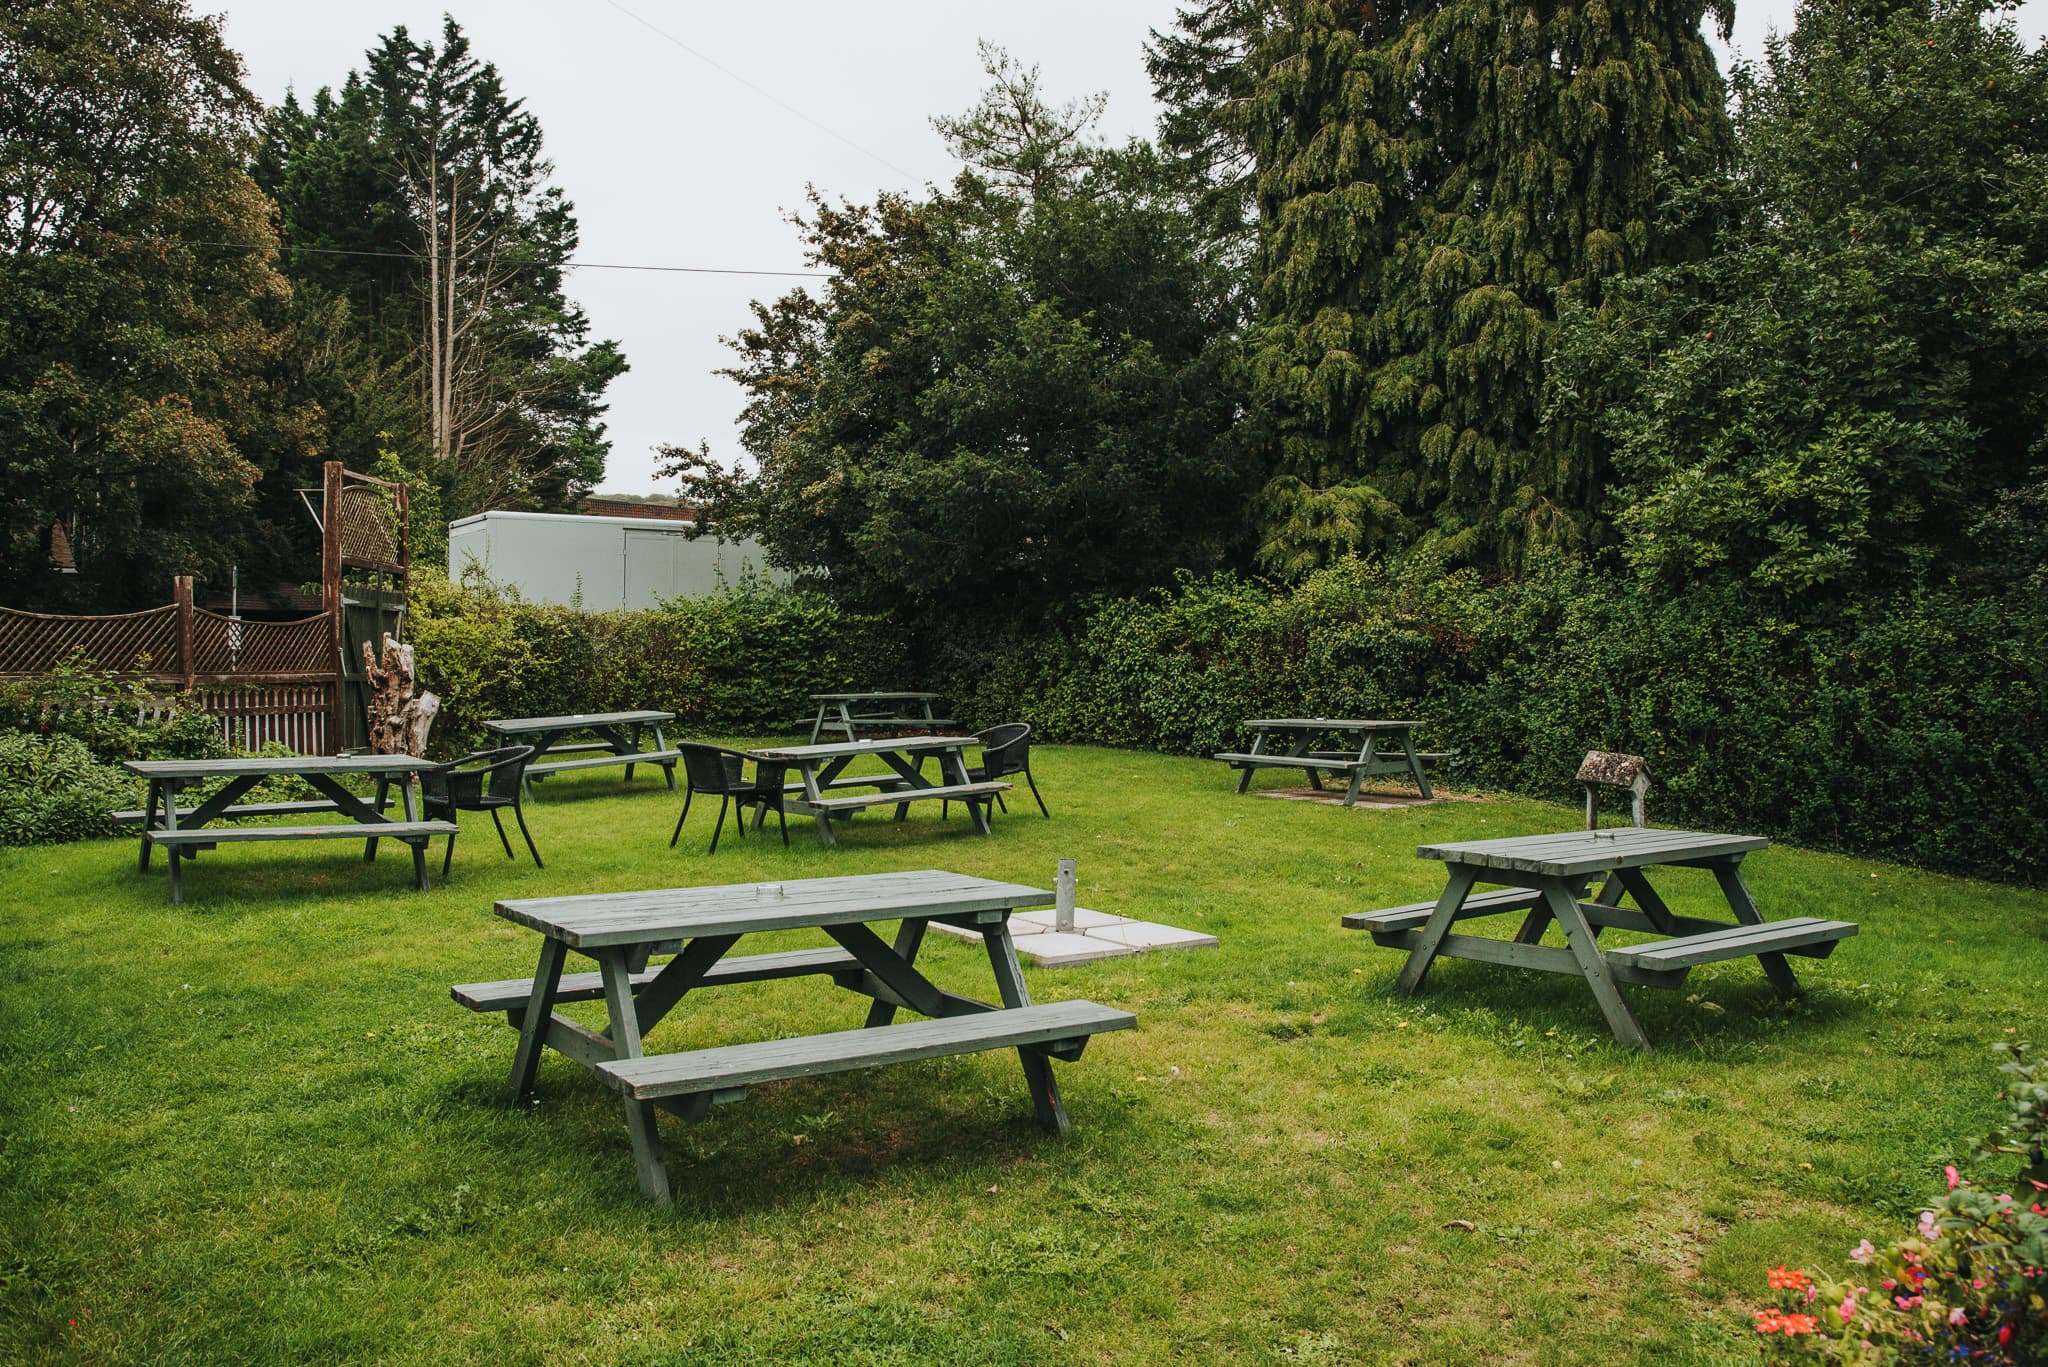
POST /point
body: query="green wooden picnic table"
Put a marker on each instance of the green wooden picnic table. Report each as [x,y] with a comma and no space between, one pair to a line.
[617,738]
[822,773]
[850,714]
[1360,757]
[1549,876]
[623,931]
[183,832]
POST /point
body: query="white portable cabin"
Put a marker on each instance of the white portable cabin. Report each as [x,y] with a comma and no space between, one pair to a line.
[599,563]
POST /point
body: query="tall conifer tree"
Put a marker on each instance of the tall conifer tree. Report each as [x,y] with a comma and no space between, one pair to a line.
[1434,178]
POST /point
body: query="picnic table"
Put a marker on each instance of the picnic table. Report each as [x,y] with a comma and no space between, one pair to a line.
[878,712]
[622,931]
[1548,877]
[184,831]
[618,737]
[1338,754]
[822,773]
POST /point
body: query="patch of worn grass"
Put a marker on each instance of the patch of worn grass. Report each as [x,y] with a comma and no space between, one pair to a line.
[254,1127]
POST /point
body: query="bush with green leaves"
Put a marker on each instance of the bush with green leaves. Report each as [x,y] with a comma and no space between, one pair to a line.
[1912,725]
[742,660]
[113,716]
[52,790]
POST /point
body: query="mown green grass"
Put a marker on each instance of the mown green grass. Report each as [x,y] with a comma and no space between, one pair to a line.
[254,1127]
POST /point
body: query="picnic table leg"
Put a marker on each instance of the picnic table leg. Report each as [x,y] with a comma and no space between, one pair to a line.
[978,808]
[808,769]
[408,795]
[1564,906]
[1415,766]
[633,742]
[1244,780]
[668,767]
[172,854]
[1538,919]
[1045,1088]
[818,723]
[155,794]
[1728,873]
[1434,930]
[383,791]
[1300,748]
[909,936]
[1638,886]
[1358,774]
[624,1029]
[533,1022]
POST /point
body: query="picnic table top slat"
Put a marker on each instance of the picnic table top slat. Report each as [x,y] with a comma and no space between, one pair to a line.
[599,919]
[875,697]
[519,726]
[276,765]
[835,749]
[1581,852]
[1329,724]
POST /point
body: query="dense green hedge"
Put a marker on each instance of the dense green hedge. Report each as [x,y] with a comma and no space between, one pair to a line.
[739,662]
[1912,728]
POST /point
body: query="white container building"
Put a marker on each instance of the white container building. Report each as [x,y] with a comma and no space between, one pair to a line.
[599,563]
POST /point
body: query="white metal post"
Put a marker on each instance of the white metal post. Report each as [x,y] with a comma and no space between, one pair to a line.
[1063,899]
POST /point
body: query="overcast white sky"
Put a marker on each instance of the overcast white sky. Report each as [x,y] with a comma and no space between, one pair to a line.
[672,161]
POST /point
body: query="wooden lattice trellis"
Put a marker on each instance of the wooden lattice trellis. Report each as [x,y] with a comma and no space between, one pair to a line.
[130,643]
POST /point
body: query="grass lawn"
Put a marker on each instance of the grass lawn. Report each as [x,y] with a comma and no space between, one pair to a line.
[254,1128]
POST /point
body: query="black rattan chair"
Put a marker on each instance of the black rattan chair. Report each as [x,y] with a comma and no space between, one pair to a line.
[488,781]
[1005,750]
[709,769]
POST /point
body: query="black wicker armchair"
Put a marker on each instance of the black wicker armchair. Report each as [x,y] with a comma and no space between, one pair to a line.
[710,769]
[488,781]
[1005,750]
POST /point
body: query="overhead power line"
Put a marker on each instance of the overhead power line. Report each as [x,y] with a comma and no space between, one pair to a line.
[414,256]
[767,95]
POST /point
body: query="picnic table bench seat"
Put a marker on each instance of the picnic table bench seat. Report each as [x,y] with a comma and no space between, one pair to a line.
[604,761]
[513,994]
[1804,935]
[898,793]
[1061,1029]
[130,818]
[206,836]
[1393,921]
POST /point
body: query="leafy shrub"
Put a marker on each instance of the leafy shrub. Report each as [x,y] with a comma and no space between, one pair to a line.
[113,717]
[1914,726]
[52,790]
[1970,1284]
[742,660]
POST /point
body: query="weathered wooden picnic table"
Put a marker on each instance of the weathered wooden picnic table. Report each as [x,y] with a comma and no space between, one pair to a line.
[1548,877]
[821,770]
[877,712]
[623,931]
[618,737]
[184,831]
[1360,761]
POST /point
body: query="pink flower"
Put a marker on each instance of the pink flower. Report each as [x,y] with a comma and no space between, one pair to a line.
[1954,1178]
[1863,1252]
[1930,1228]
[1957,1316]
[1908,1302]
[1848,1308]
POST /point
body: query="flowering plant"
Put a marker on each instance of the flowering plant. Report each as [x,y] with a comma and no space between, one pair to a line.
[1969,1284]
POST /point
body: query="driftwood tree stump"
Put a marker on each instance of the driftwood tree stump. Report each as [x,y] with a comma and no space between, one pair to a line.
[399,720]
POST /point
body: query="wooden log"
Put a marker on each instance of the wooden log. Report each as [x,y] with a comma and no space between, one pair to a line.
[399,719]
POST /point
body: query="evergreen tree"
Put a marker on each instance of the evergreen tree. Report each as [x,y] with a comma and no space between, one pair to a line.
[1011,394]
[1832,399]
[1434,180]
[433,175]
[151,397]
